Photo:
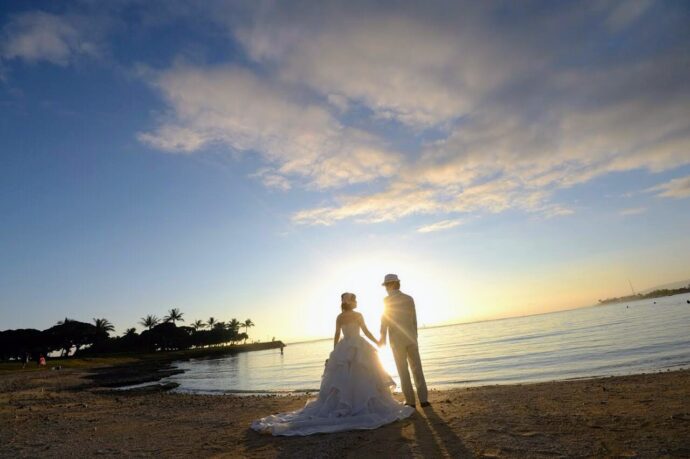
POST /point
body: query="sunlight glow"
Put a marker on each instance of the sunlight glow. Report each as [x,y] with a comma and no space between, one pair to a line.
[362,275]
[444,293]
[386,357]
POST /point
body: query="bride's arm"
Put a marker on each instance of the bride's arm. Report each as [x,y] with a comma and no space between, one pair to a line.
[365,330]
[336,338]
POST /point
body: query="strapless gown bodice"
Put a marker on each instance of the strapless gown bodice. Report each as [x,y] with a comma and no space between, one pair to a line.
[351,330]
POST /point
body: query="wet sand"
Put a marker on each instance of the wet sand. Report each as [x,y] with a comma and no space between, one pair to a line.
[69,413]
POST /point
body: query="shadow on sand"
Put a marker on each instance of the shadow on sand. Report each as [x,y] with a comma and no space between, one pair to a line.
[440,439]
[423,434]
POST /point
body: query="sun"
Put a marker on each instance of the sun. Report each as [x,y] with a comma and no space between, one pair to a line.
[362,274]
[363,278]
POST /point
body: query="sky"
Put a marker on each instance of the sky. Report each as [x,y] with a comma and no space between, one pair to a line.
[257,159]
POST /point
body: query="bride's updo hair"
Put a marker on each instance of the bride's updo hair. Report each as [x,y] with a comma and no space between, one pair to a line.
[347,301]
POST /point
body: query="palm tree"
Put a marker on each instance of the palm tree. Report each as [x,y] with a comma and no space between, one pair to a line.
[234,325]
[211,322]
[149,321]
[198,324]
[62,322]
[130,332]
[174,315]
[247,323]
[103,326]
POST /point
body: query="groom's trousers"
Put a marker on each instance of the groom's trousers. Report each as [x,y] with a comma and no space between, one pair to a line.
[409,354]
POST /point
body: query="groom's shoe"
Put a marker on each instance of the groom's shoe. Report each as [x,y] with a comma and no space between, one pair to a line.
[425,404]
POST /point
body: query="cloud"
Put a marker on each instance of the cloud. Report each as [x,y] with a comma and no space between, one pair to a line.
[514,109]
[439,226]
[175,139]
[632,211]
[398,201]
[518,102]
[402,63]
[638,127]
[38,36]
[626,12]
[403,199]
[272,180]
[677,188]
[297,139]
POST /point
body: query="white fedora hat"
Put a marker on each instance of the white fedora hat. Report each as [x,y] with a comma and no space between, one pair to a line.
[389,278]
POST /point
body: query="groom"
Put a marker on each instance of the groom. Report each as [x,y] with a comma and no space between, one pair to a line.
[400,321]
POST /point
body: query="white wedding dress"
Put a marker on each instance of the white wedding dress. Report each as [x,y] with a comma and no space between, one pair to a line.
[355,394]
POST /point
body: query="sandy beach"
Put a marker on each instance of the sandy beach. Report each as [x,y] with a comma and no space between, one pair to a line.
[69,413]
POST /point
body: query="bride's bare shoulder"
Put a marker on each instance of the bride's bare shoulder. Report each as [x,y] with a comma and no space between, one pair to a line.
[342,317]
[346,317]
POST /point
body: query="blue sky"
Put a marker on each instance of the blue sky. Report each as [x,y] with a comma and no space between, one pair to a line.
[256,159]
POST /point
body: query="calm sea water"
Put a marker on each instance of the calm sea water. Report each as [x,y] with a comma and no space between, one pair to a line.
[615,339]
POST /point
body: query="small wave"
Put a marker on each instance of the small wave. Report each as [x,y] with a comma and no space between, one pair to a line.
[576,344]
[240,392]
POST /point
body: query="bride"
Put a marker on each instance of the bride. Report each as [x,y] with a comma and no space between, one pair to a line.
[355,390]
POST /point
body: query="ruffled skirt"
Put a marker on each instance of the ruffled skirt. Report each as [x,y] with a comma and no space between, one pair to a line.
[355,394]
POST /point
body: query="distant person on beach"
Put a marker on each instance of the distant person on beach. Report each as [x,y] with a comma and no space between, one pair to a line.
[26,359]
[399,321]
[41,361]
[355,390]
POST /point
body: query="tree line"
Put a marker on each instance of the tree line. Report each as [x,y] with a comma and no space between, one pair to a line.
[71,337]
[653,294]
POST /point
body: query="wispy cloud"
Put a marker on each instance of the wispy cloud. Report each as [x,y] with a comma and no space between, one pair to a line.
[296,138]
[38,36]
[439,226]
[625,13]
[677,188]
[272,180]
[403,199]
[632,211]
[515,118]
[406,64]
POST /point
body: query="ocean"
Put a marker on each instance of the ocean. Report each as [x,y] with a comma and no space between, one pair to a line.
[616,339]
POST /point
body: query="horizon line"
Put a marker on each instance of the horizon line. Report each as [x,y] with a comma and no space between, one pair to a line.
[485,320]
